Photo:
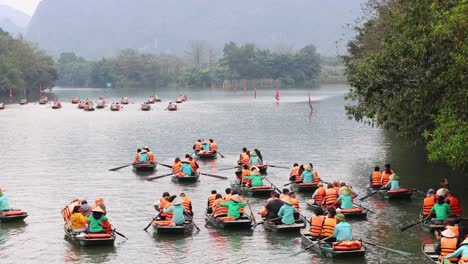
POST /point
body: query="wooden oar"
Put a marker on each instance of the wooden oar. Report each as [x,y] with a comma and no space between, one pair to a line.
[415,190]
[409,226]
[209,218]
[251,214]
[222,156]
[276,188]
[190,218]
[389,249]
[214,176]
[279,167]
[152,178]
[120,234]
[305,219]
[156,217]
[121,167]
[367,196]
[310,246]
[288,184]
[359,205]
[165,165]
[230,168]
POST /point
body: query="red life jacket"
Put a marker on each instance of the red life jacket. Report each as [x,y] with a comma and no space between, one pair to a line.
[455,206]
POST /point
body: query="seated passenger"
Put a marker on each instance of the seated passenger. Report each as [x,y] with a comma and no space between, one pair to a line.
[254,159]
[78,220]
[178,212]
[234,206]
[394,182]
[95,220]
[186,168]
[286,212]
[307,175]
[257,179]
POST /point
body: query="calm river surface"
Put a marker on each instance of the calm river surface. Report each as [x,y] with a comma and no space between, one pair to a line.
[49,157]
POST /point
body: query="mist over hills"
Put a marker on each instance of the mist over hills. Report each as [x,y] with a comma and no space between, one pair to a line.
[12,20]
[101,28]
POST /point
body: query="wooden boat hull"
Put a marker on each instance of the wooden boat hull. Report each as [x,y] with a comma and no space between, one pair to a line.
[348,215]
[392,195]
[115,108]
[206,155]
[87,242]
[2,106]
[430,256]
[281,228]
[303,187]
[58,106]
[429,226]
[185,229]
[124,102]
[186,179]
[144,166]
[100,106]
[242,223]
[145,108]
[172,109]
[326,250]
[75,100]
[12,218]
[178,101]
[252,192]
[23,101]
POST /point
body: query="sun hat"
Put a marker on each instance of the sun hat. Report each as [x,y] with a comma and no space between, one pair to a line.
[395,177]
[98,209]
[253,153]
[345,191]
[448,233]
[442,192]
[308,167]
[340,217]
[287,200]
[465,242]
[235,198]
[177,201]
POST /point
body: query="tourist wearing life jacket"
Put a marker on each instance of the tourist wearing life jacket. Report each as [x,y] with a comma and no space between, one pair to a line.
[137,157]
[205,146]
[169,201]
[234,205]
[95,220]
[257,179]
[294,175]
[197,145]
[316,175]
[4,205]
[193,164]
[177,211]
[85,209]
[319,194]
[462,251]
[213,145]
[452,226]
[176,165]
[295,204]
[329,224]
[307,176]
[78,220]
[263,211]
[228,195]
[273,207]
[454,204]
[254,159]
[245,173]
[143,156]
[342,230]
[150,155]
[386,174]
[186,203]
[345,198]
[394,182]
[447,245]
[244,157]
[441,210]
[220,210]
[284,194]
[286,212]
[161,204]
[330,196]
[316,222]
[376,179]
[336,186]
[211,200]
[429,202]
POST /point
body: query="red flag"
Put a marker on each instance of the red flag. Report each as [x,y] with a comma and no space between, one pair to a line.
[310,103]
[277,97]
[255,89]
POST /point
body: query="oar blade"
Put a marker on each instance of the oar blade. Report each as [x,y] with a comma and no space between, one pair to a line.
[118,168]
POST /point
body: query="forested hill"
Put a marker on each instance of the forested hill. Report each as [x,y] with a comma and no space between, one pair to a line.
[12,20]
[101,28]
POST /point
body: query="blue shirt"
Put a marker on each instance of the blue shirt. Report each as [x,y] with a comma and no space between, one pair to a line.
[463,250]
[186,169]
[178,211]
[395,185]
[307,176]
[342,232]
[4,205]
[286,212]
[254,160]
[205,147]
[346,201]
[143,158]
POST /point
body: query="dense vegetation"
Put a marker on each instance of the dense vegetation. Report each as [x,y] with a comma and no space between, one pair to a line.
[199,67]
[408,70]
[23,67]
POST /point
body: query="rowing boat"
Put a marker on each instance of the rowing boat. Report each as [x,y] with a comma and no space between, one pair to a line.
[81,105]
[145,107]
[257,191]
[221,222]
[149,166]
[43,100]
[57,105]
[165,227]
[355,213]
[115,107]
[186,179]
[124,100]
[87,240]
[23,101]
[401,194]
[430,255]
[75,100]
[2,106]
[282,228]
[206,154]
[12,215]
[429,226]
[304,187]
[151,99]
[88,107]
[101,103]
[179,100]
[172,108]
[330,251]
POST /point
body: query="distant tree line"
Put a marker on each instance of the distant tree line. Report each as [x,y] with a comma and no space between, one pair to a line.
[408,69]
[23,68]
[199,67]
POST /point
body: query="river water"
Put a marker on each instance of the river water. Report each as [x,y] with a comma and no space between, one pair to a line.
[49,157]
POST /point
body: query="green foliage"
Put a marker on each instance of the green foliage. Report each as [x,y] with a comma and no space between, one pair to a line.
[23,67]
[407,64]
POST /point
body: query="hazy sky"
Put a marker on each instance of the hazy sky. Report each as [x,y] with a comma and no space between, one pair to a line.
[27,6]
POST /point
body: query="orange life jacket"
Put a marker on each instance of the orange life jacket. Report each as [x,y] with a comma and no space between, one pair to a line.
[242,209]
[455,206]
[219,209]
[295,203]
[246,173]
[295,172]
[214,146]
[176,167]
[316,177]
[211,200]
[186,202]
[244,159]
[98,202]
[169,215]
[151,156]
[385,177]
[198,145]
[454,229]
[316,225]
[337,189]
[283,197]
[328,227]
[429,202]
[137,157]
[447,246]
[319,196]
[376,178]
[162,204]
[331,195]
[193,164]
